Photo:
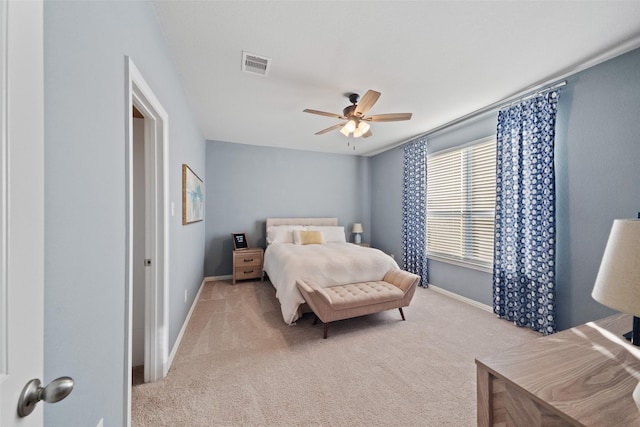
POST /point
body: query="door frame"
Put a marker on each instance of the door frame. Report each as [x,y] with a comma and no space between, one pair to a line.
[156,123]
[3,191]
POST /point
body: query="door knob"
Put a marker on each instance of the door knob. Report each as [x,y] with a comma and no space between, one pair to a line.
[33,392]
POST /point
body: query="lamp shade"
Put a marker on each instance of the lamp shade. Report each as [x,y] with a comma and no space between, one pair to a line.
[618,282]
[350,126]
[357,228]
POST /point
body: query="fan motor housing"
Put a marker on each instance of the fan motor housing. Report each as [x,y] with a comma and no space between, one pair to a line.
[349,111]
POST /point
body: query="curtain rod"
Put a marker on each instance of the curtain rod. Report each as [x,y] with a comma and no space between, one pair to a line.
[510,100]
[531,95]
[600,57]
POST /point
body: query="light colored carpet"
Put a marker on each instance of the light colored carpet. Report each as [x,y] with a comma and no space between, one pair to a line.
[239,364]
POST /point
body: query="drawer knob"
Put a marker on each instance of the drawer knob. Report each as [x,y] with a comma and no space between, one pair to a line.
[248,259]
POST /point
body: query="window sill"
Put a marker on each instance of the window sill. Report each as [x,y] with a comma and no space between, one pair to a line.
[460,263]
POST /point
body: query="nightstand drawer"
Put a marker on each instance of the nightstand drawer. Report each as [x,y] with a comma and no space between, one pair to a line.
[249,259]
[248,272]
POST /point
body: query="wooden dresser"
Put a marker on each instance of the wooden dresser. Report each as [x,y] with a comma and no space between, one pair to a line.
[584,376]
[247,264]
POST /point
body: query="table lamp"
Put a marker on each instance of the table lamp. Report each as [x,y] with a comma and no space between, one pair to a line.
[618,281]
[357,229]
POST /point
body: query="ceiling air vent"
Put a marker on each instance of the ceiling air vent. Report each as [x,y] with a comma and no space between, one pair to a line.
[255,64]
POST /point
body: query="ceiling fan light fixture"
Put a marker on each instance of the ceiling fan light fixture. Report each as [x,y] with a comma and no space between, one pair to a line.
[350,126]
[357,121]
[364,126]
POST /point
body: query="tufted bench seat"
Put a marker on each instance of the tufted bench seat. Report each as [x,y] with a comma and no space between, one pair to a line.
[340,302]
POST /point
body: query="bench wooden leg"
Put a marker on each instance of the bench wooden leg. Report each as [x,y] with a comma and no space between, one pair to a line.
[326,326]
[401,313]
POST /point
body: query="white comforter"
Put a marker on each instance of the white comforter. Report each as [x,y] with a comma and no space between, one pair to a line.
[326,265]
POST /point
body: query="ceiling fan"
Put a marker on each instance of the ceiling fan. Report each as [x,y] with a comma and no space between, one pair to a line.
[356,121]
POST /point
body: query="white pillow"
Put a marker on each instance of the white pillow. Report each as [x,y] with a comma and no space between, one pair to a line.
[332,234]
[281,233]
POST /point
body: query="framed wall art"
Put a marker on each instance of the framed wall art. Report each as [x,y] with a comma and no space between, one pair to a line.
[192,196]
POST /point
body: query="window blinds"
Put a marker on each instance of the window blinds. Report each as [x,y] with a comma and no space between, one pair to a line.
[461,204]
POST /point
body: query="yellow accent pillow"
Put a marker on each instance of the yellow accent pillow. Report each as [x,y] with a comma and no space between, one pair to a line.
[310,238]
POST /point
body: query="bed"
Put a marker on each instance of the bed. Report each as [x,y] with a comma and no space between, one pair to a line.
[329,262]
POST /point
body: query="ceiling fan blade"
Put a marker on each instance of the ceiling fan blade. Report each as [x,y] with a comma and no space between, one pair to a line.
[367,134]
[366,102]
[323,113]
[392,117]
[329,129]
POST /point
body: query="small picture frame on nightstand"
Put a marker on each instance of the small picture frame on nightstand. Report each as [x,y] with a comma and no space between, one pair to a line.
[240,241]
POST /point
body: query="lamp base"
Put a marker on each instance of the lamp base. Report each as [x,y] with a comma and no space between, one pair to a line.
[357,239]
[634,335]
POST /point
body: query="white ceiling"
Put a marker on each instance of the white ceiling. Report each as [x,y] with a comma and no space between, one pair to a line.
[439,60]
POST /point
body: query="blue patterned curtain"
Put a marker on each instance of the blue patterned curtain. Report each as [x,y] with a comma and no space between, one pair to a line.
[414,205]
[525,229]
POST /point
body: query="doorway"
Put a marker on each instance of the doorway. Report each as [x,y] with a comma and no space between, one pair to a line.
[147,233]
[139,282]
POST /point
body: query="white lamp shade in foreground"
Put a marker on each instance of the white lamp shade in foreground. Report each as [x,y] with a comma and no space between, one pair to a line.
[618,281]
[357,228]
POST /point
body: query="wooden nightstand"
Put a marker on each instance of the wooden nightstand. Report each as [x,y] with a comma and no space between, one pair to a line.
[366,245]
[247,264]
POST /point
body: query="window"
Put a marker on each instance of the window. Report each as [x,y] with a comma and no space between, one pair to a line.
[461,193]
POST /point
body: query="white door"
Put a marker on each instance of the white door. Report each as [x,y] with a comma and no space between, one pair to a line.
[22,205]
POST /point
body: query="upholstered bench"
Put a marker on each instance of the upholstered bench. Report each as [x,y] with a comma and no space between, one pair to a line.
[340,302]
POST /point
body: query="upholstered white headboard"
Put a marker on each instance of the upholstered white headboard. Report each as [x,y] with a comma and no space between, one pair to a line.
[301,221]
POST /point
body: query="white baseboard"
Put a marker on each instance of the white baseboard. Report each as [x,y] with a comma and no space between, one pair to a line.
[176,345]
[461,298]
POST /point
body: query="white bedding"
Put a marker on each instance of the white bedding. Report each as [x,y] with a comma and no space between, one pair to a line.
[326,265]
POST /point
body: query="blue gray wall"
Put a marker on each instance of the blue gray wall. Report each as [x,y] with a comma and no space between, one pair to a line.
[85,45]
[598,180]
[386,202]
[598,176]
[247,184]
